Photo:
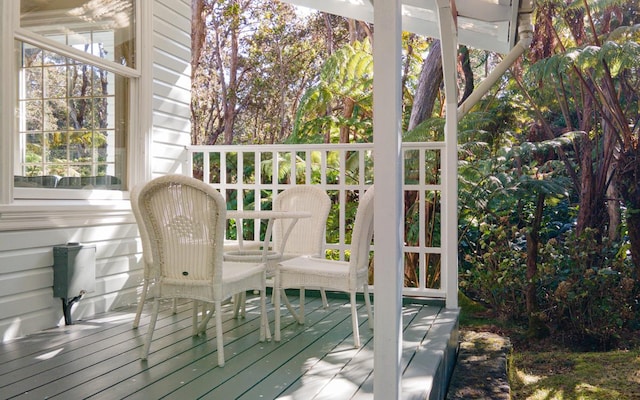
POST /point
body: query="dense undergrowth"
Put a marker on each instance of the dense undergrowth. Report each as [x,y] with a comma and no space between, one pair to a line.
[553,369]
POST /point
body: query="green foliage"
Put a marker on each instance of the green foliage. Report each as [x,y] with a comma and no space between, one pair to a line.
[493,271]
[348,73]
[590,307]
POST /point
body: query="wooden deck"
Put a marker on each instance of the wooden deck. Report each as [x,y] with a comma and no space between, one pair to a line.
[99,358]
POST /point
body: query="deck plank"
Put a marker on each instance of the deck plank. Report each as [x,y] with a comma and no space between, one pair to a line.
[417,323]
[87,362]
[201,368]
[295,339]
[169,351]
[330,364]
[100,358]
[302,363]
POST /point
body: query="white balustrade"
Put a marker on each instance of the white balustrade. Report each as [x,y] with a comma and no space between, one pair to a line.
[251,174]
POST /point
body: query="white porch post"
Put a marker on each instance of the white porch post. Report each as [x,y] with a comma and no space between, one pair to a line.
[9,15]
[449,42]
[388,275]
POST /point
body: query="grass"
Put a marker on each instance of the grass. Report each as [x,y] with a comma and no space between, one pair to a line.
[566,375]
[546,371]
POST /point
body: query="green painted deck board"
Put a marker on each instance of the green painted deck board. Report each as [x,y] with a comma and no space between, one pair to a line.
[200,377]
[99,358]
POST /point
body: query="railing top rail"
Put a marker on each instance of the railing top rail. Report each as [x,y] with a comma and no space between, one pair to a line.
[305,146]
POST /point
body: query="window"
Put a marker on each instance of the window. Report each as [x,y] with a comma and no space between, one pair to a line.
[74,94]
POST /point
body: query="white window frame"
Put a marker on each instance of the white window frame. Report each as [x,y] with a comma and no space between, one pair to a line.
[29,208]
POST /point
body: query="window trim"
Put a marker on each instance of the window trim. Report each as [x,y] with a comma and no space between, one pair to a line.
[33,208]
[45,43]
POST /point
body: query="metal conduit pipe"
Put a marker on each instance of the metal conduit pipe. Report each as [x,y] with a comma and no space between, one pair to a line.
[526,36]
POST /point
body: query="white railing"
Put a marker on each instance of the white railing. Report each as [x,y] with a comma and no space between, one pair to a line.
[244,174]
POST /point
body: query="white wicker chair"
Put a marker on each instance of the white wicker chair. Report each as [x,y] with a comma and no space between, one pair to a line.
[184,221]
[330,274]
[147,259]
[307,237]
[300,236]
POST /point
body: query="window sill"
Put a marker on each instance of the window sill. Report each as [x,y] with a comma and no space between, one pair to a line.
[42,194]
[48,214]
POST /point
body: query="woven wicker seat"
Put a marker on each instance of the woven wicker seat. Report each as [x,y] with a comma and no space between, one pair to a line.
[306,271]
[184,220]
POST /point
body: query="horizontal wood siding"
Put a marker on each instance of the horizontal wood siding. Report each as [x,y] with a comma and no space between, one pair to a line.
[27,304]
[171,85]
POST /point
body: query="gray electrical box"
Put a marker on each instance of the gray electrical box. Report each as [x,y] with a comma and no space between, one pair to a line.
[74,270]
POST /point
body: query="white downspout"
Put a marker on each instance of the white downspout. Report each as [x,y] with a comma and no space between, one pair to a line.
[526,36]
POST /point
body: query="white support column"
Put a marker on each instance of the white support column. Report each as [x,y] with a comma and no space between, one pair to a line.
[388,278]
[141,144]
[9,15]
[449,42]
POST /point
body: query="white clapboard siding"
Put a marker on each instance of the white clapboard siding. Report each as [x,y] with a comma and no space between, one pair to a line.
[171,85]
[26,275]
[165,91]
[27,304]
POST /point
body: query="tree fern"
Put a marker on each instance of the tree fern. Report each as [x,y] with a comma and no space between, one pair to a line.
[348,73]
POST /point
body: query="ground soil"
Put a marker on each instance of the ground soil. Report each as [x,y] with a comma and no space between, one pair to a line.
[481,368]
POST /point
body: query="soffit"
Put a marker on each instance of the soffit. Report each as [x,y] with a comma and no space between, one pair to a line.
[490,25]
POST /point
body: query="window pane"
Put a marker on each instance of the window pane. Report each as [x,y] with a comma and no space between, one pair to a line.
[104,28]
[73,122]
[55,82]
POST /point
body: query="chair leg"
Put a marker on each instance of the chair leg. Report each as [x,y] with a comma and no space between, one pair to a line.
[175,306]
[152,326]
[195,318]
[206,316]
[287,303]
[217,309]
[323,295]
[236,305]
[265,331]
[240,305]
[367,302]
[276,307]
[354,320]
[143,297]
[300,317]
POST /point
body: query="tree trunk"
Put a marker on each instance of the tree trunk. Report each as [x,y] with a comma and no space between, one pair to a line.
[537,327]
[231,99]
[347,112]
[330,39]
[629,180]
[633,228]
[464,65]
[423,104]
[428,86]
[587,197]
[613,203]
[197,46]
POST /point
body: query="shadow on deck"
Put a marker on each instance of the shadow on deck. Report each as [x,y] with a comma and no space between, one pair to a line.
[99,358]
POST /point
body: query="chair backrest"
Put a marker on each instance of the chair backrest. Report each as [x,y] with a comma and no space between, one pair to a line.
[184,219]
[147,258]
[362,233]
[308,234]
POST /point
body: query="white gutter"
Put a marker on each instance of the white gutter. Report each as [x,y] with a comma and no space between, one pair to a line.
[526,36]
